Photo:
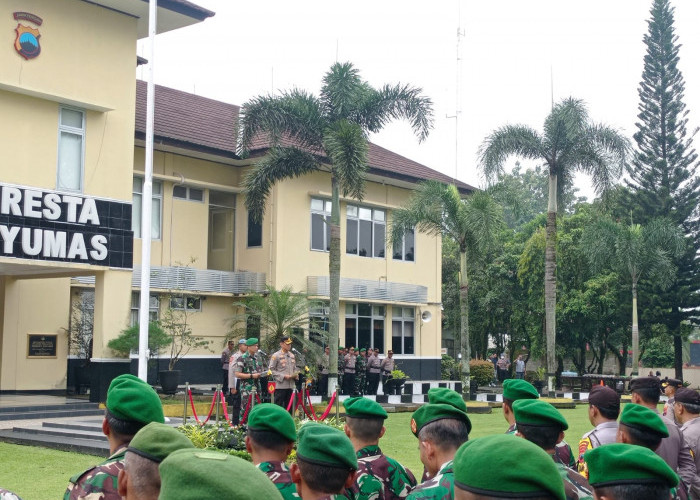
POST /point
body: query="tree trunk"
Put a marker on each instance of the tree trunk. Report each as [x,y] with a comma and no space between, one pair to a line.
[334,285]
[677,344]
[635,333]
[464,315]
[550,281]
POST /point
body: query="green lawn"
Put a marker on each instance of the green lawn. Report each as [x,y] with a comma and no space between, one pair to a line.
[39,473]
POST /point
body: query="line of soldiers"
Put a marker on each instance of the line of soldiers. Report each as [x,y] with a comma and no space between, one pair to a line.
[359,373]
[150,460]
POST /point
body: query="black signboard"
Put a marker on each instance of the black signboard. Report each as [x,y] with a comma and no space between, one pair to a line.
[64,227]
[41,346]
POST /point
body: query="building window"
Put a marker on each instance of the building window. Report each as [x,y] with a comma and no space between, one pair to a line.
[405,249]
[153,308]
[366,231]
[320,225]
[402,330]
[188,193]
[189,303]
[364,326]
[319,322]
[254,232]
[156,208]
[71,149]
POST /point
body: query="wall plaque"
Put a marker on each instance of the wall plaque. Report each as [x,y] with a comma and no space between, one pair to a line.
[41,346]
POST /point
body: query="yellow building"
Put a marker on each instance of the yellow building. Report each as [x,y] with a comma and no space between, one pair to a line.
[204,245]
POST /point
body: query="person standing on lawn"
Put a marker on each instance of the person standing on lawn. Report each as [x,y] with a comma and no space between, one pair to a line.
[225,360]
[373,370]
[376,473]
[270,440]
[131,405]
[520,367]
[284,372]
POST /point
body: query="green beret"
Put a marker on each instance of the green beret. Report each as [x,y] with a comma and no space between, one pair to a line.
[360,407]
[619,463]
[503,465]
[196,474]
[363,350]
[272,418]
[130,398]
[538,413]
[431,412]
[156,441]
[324,445]
[251,341]
[341,347]
[642,418]
[517,388]
[447,396]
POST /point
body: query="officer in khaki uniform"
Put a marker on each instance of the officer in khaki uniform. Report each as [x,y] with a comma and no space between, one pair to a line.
[284,372]
[603,410]
[687,410]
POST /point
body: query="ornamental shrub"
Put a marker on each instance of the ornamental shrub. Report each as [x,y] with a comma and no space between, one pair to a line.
[481,371]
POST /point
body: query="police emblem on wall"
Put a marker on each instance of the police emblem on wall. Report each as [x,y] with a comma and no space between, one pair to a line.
[27,41]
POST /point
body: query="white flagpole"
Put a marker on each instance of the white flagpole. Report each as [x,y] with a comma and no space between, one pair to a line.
[146,196]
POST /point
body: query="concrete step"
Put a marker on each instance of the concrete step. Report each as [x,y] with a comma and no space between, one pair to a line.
[55,413]
[78,445]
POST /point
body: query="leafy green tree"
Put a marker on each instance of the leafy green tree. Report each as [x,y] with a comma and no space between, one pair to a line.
[472,223]
[280,313]
[570,143]
[663,173]
[635,252]
[128,340]
[658,353]
[329,132]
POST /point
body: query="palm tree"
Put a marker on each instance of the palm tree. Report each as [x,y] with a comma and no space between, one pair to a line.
[636,252]
[326,133]
[570,143]
[472,223]
[279,313]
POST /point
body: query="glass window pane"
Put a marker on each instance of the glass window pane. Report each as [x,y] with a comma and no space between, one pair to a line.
[350,334]
[317,230]
[254,232]
[70,150]
[156,188]
[408,312]
[365,213]
[350,309]
[352,211]
[180,192]
[220,199]
[409,245]
[137,185]
[396,337]
[378,334]
[397,251]
[196,194]
[328,233]
[136,216]
[329,207]
[153,303]
[396,312]
[364,310]
[155,219]
[378,310]
[379,215]
[408,339]
[316,204]
[365,246]
[351,237]
[364,333]
[379,242]
[71,118]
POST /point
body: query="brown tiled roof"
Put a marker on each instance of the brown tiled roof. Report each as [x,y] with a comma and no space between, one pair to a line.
[206,125]
[190,121]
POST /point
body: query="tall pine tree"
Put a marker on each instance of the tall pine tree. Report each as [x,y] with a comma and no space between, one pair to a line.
[663,174]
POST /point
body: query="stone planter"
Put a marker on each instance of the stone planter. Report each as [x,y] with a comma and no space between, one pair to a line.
[169,380]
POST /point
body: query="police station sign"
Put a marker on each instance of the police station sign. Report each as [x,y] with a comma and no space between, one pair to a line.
[64,227]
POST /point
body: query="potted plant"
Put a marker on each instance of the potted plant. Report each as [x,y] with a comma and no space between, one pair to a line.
[128,341]
[396,380]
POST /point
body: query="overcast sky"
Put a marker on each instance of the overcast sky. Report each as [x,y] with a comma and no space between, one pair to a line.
[511,52]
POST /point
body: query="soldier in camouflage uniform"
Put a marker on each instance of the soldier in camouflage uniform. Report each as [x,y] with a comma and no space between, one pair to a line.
[378,476]
[542,424]
[341,368]
[361,372]
[326,462]
[248,371]
[441,428]
[131,405]
[270,440]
